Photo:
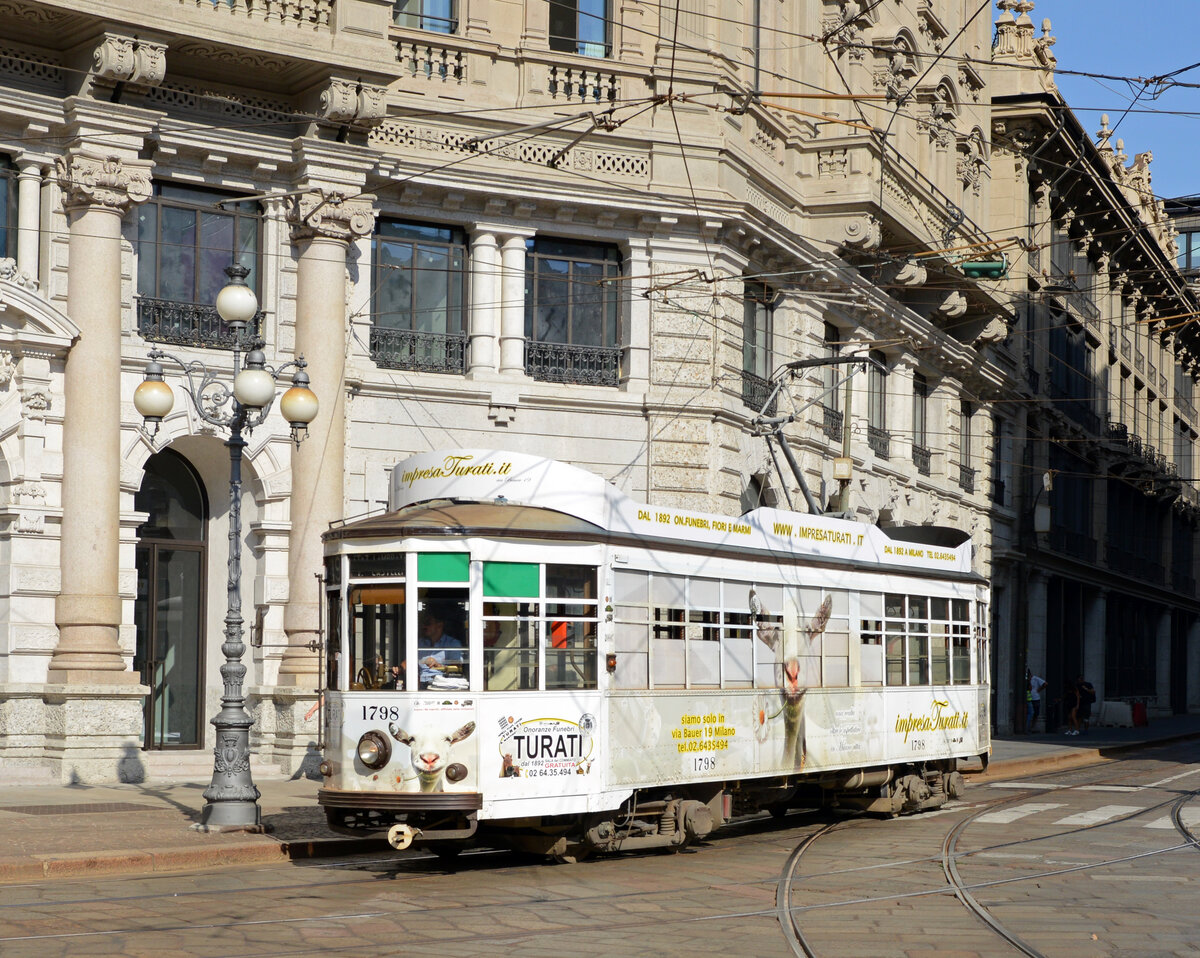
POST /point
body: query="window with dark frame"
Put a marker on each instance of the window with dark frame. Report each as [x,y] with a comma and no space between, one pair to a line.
[921,452]
[418,316]
[185,241]
[758,330]
[582,27]
[8,208]
[572,311]
[877,435]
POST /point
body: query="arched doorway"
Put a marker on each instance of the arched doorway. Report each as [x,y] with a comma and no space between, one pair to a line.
[169,610]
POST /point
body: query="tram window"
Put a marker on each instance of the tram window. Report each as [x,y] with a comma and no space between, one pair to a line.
[871,646]
[571,614]
[810,659]
[442,654]
[631,629]
[510,654]
[837,659]
[738,650]
[939,652]
[960,655]
[333,651]
[918,658]
[894,652]
[377,635]
[667,646]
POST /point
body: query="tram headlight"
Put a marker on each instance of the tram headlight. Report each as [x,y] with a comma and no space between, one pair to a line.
[374,750]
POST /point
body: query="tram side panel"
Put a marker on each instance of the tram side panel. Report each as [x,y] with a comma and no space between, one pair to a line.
[669,738]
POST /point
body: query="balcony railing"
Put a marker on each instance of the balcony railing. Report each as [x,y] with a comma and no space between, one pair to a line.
[998,491]
[966,478]
[186,324]
[566,363]
[420,351]
[1073,544]
[755,391]
[922,456]
[832,424]
[880,441]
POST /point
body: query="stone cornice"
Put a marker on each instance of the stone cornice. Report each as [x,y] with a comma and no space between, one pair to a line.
[91,179]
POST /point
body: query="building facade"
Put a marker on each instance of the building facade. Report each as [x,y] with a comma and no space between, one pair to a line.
[592,231]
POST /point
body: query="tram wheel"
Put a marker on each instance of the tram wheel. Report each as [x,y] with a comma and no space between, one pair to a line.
[778,812]
[447,852]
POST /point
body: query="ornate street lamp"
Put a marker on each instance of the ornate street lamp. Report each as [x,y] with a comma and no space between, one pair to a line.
[232,798]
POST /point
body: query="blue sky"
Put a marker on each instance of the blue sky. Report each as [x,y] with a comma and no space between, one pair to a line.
[1146,39]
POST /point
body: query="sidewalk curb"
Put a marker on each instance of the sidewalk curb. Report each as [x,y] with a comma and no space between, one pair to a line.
[156,860]
[1076,758]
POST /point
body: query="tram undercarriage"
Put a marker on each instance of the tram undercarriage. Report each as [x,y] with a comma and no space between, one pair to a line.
[668,818]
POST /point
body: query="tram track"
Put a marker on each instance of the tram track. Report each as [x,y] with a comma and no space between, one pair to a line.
[802,946]
[416,869]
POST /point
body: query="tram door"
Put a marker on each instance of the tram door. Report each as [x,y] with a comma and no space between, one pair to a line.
[169,609]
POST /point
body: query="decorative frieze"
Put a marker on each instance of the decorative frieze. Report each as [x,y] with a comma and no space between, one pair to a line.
[9,273]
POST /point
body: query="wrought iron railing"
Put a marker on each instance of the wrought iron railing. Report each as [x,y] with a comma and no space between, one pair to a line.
[880,441]
[1117,432]
[755,391]
[419,351]
[922,457]
[1072,543]
[565,363]
[186,324]
[966,478]
[833,423]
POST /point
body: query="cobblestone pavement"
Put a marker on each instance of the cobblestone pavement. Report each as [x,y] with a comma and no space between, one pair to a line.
[1080,862]
[80,863]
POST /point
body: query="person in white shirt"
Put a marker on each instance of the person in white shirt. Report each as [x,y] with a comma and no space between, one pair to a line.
[1033,700]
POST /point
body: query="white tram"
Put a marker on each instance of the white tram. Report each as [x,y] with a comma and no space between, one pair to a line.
[521,655]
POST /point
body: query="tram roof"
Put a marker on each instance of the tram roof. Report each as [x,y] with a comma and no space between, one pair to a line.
[455,519]
[491,493]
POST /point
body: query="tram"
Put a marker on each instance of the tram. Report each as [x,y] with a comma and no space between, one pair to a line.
[518,654]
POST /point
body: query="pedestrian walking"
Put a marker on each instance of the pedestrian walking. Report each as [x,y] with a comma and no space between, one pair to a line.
[1086,694]
[1070,706]
[1034,684]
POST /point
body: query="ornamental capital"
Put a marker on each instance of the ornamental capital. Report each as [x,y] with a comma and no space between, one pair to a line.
[332,215]
[90,179]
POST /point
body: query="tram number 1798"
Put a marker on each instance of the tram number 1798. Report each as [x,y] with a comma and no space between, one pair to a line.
[704,763]
[918,744]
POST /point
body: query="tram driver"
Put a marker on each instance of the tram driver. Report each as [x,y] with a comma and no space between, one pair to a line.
[440,654]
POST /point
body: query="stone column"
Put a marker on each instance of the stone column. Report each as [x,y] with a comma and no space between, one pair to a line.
[900,413]
[1162,662]
[485,299]
[29,192]
[635,309]
[98,188]
[1095,640]
[323,226]
[512,302]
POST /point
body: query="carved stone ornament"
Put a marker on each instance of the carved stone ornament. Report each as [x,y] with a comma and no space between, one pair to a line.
[19,277]
[996,331]
[832,163]
[953,306]
[8,366]
[88,179]
[331,215]
[35,403]
[129,60]
[348,102]
[864,232]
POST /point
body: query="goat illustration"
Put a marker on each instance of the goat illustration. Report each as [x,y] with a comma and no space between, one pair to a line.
[430,752]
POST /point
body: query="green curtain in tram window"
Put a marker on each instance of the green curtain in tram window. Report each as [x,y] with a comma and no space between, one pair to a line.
[515,580]
[443,567]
